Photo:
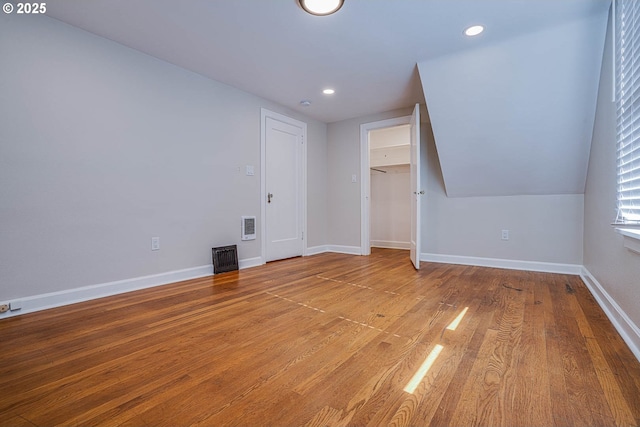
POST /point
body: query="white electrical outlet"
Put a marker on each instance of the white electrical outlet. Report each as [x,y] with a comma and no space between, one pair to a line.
[155,243]
[505,234]
[250,171]
[354,178]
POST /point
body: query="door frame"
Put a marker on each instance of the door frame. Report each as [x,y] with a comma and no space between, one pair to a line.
[264,114]
[415,239]
[365,177]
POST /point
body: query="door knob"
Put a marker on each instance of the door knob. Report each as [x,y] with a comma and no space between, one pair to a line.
[269,196]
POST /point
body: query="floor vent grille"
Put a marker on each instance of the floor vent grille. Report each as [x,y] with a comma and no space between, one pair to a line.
[225,258]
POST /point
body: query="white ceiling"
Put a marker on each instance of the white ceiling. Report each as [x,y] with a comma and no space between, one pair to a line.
[367,51]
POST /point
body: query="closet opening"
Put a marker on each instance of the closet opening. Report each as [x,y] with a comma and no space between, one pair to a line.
[390,187]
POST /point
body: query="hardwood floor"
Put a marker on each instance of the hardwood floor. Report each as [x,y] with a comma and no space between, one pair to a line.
[326,340]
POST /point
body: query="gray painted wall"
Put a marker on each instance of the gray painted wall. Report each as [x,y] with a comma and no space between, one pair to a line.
[343,157]
[103,147]
[543,228]
[391,206]
[616,268]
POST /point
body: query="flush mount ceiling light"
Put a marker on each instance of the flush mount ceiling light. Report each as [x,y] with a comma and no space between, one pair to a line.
[328,91]
[474,30]
[321,7]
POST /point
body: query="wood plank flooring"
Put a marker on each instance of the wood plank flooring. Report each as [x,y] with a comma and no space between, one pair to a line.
[326,340]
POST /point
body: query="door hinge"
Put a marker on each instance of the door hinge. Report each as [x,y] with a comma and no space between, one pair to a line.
[302,235]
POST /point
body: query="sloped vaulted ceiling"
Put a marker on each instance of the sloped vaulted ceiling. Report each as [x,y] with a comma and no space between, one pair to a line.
[515,117]
[512,110]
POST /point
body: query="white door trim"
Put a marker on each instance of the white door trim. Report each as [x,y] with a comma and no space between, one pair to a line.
[264,113]
[416,192]
[365,178]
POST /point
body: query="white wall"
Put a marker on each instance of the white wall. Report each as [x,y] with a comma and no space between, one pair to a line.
[389,146]
[390,214]
[545,229]
[390,137]
[616,269]
[343,157]
[103,147]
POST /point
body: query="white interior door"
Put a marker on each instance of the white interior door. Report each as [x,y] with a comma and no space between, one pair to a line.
[416,192]
[283,185]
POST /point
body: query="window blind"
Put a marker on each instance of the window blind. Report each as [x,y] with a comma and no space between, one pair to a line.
[627,57]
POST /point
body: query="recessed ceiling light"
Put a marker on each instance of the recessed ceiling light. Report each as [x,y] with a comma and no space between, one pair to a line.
[321,7]
[474,30]
[328,91]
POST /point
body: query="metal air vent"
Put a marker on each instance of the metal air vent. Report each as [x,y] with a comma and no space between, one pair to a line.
[225,258]
[248,228]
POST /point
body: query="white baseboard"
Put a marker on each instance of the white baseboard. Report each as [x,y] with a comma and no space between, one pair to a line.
[315,250]
[624,325]
[86,293]
[621,321]
[547,267]
[350,250]
[389,244]
[250,262]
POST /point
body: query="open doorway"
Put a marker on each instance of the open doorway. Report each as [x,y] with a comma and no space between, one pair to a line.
[390,187]
[365,172]
[415,190]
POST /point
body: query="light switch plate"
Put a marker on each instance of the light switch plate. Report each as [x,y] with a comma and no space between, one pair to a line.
[250,170]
